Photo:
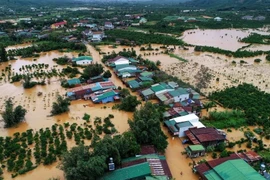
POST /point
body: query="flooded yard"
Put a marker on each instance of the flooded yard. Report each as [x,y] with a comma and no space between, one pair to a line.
[39,107]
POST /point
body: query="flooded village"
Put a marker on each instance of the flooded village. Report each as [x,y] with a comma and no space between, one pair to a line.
[133,102]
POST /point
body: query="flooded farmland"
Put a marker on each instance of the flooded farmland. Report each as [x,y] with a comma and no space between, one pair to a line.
[227,39]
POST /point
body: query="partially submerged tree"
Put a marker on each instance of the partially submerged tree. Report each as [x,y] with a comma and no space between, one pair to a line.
[79,163]
[13,116]
[60,106]
[107,74]
[92,70]
[3,54]
[146,126]
[129,103]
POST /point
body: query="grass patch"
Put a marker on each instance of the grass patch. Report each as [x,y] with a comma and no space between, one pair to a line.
[227,119]
[177,57]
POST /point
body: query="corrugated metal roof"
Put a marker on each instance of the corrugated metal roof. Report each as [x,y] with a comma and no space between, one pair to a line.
[73,81]
[157,88]
[147,92]
[81,58]
[196,147]
[139,170]
[146,74]
[236,169]
[133,84]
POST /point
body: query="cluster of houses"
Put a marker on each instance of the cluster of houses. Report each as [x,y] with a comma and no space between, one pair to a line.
[257,18]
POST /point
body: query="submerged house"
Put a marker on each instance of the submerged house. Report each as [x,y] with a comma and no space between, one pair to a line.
[208,136]
[83,60]
[104,96]
[73,82]
[178,126]
[80,92]
[194,151]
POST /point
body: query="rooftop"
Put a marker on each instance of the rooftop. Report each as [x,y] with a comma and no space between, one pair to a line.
[133,84]
[207,134]
[82,58]
[196,147]
[157,88]
[146,74]
[189,117]
[147,92]
[233,169]
[184,124]
[73,81]
[139,170]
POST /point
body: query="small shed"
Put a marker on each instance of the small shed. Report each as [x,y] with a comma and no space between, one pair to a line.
[195,150]
[74,82]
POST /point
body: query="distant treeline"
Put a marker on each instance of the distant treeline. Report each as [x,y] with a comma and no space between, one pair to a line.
[45,46]
[237,54]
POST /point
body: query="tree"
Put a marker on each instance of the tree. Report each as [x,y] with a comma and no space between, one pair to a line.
[79,163]
[129,103]
[146,126]
[92,70]
[3,54]
[12,117]
[203,77]
[107,74]
[124,92]
[60,106]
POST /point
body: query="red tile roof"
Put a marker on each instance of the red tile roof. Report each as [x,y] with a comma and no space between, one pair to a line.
[60,23]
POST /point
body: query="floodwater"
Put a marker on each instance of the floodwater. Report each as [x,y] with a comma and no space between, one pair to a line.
[227,39]
[39,107]
[179,162]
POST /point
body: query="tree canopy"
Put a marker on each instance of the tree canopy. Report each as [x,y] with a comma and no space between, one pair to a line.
[60,106]
[13,116]
[129,103]
[146,126]
[92,70]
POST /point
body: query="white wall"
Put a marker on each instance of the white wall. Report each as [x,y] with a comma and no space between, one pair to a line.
[181,97]
[182,131]
[83,62]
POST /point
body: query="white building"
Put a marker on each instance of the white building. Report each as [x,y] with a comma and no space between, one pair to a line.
[179,125]
[218,19]
[83,60]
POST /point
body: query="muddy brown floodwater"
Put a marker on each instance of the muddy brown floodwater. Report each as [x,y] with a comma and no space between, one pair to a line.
[38,107]
[222,38]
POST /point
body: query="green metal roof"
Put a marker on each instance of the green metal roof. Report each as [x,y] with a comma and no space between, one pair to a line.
[157,88]
[73,81]
[183,113]
[81,58]
[147,92]
[184,124]
[178,92]
[156,178]
[171,125]
[133,60]
[233,169]
[133,84]
[196,147]
[106,94]
[142,78]
[146,74]
[136,171]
